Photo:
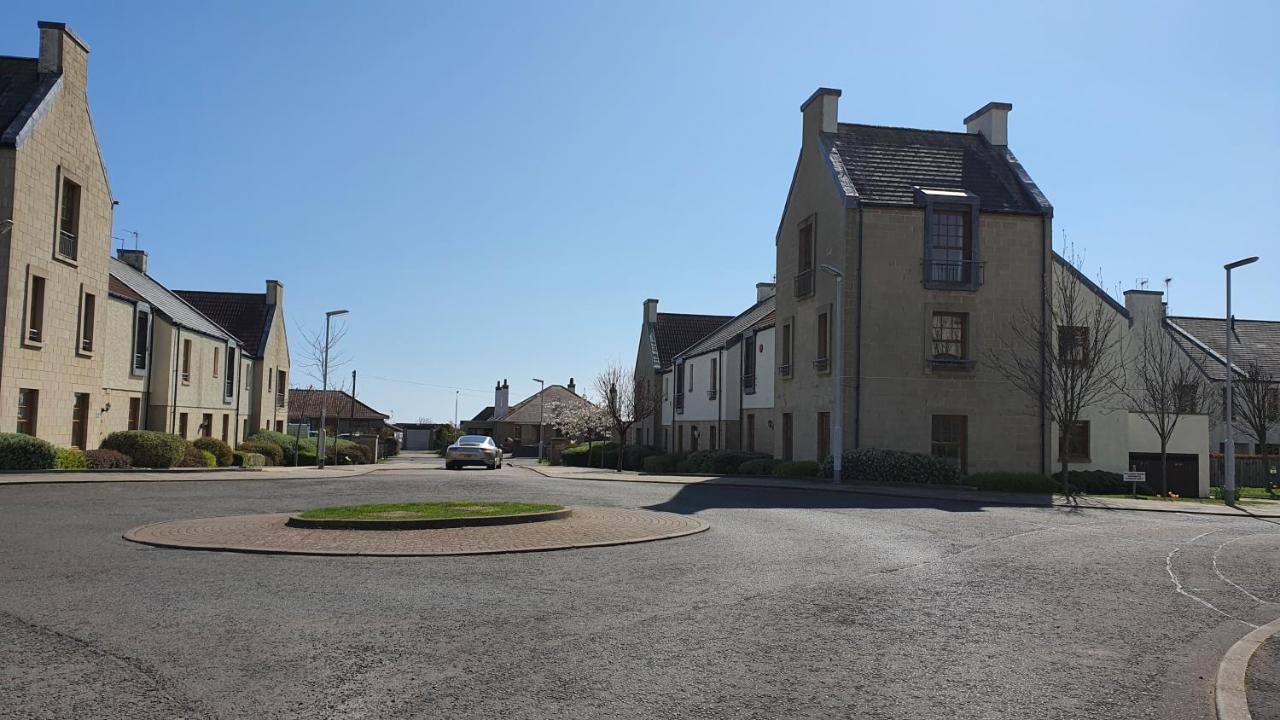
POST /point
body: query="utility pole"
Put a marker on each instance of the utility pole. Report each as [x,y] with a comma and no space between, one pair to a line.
[455,409]
[351,416]
[542,401]
[1229,451]
[324,386]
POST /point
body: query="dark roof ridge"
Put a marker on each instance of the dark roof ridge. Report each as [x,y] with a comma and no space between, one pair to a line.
[909,129]
[1220,319]
[220,292]
[697,314]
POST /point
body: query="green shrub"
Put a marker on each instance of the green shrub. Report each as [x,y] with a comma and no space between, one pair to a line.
[220,450]
[107,460]
[720,462]
[147,448]
[1013,482]
[699,461]
[24,452]
[682,465]
[588,454]
[248,459]
[599,453]
[757,466]
[1103,482]
[796,469]
[307,457]
[660,464]
[288,444]
[873,465]
[194,457]
[273,452]
[70,459]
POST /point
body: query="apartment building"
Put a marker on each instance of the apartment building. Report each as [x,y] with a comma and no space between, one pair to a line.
[662,335]
[939,236]
[55,240]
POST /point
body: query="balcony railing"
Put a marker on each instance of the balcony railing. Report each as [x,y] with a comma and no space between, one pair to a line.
[66,244]
[711,394]
[679,401]
[749,383]
[821,365]
[804,283]
[34,334]
[784,370]
[950,363]
[953,273]
[186,378]
[86,345]
[279,400]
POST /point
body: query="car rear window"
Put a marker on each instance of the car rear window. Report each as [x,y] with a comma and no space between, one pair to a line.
[472,440]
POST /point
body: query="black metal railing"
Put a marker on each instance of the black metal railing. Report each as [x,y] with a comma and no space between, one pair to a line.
[33,334]
[821,365]
[86,345]
[67,244]
[711,394]
[784,370]
[950,363]
[679,401]
[279,400]
[953,273]
[804,283]
[749,383]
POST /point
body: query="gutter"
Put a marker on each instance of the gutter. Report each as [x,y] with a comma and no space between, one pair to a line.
[177,348]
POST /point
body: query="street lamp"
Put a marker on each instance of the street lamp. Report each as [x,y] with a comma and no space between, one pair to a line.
[1229,451]
[542,402]
[324,385]
[837,373]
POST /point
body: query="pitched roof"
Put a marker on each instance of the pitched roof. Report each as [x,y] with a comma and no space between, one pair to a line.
[22,89]
[1205,341]
[245,315]
[726,332]
[673,332]
[1091,285]
[337,403]
[884,165]
[529,410]
[119,289]
[164,301]
[484,415]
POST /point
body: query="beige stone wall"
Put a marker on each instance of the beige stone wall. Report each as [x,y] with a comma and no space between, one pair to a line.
[119,382]
[263,410]
[61,143]
[201,394]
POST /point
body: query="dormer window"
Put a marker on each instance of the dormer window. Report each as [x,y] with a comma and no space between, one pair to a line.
[950,243]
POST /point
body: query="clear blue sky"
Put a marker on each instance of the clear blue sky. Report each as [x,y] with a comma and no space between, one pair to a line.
[494,189]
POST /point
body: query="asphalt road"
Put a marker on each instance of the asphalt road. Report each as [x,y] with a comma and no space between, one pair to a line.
[794,605]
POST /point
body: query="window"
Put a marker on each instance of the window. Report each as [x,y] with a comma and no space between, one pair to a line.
[28,410]
[226,427]
[714,383]
[1077,443]
[69,220]
[786,437]
[689,380]
[186,362]
[88,310]
[279,426]
[35,310]
[135,413]
[639,436]
[666,438]
[804,265]
[206,425]
[217,359]
[784,366]
[248,377]
[679,438]
[950,440]
[713,438]
[679,397]
[1073,344]
[749,363]
[751,432]
[141,339]
[80,420]
[949,248]
[182,425]
[269,374]
[824,435]
[1186,398]
[821,362]
[949,339]
[282,385]
[229,382]
[693,438]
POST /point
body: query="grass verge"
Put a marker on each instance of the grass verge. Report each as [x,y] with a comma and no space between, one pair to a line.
[425,511]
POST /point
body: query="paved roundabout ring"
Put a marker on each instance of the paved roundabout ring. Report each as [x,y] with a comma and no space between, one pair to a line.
[586,527]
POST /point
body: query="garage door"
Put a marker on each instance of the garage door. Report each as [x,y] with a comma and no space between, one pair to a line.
[1184,472]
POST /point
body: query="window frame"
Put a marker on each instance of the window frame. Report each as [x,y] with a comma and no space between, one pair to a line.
[714,380]
[1074,344]
[943,361]
[34,312]
[786,356]
[28,399]
[938,201]
[140,310]
[748,349]
[229,364]
[806,263]
[939,446]
[80,421]
[1072,450]
[87,326]
[65,178]
[822,329]
[185,368]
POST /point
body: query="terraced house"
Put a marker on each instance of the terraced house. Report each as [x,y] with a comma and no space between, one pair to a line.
[55,241]
[939,236]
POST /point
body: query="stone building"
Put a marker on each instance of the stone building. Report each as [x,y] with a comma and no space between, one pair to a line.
[55,241]
[662,335]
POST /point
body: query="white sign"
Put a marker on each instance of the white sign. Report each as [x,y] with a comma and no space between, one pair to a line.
[1135,477]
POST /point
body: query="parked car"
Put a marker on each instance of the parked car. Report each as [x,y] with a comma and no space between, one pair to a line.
[473,450]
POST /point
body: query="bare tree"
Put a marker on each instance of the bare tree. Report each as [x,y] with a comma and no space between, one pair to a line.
[1162,386]
[313,352]
[1256,401]
[1064,356]
[626,401]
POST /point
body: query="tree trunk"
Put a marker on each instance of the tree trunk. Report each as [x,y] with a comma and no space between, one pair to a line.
[1164,467]
[1062,459]
[622,446]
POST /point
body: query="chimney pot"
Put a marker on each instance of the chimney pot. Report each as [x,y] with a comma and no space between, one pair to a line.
[991,121]
[137,259]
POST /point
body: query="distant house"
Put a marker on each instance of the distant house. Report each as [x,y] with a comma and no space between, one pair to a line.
[662,335]
[418,436]
[516,426]
[344,414]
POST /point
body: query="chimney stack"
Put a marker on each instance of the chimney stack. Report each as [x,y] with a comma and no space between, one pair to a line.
[764,291]
[501,400]
[275,293]
[991,121]
[61,50]
[1144,305]
[820,112]
[651,310]
[573,388]
[137,259]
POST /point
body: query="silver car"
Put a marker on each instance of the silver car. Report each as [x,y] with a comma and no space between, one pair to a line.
[473,450]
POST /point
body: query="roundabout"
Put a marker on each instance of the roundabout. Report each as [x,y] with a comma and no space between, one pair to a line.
[544,528]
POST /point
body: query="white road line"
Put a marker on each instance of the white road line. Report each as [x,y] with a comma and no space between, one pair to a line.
[1228,580]
[1177,585]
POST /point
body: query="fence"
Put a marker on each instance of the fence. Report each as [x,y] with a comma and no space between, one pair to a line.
[1251,470]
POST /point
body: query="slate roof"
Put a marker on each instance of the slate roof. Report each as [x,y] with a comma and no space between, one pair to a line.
[729,330]
[673,332]
[306,404]
[484,415]
[164,301]
[1205,341]
[886,164]
[22,89]
[245,315]
[528,411]
[119,289]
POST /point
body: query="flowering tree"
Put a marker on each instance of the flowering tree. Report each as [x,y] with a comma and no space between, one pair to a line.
[627,401]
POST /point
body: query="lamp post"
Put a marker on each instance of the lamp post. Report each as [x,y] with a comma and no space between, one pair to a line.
[542,405]
[837,374]
[324,386]
[1229,451]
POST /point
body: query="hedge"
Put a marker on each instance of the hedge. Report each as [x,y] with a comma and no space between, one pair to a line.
[796,469]
[107,460]
[70,459]
[1101,482]
[758,466]
[660,464]
[873,465]
[288,444]
[220,450]
[147,448]
[720,462]
[1013,482]
[247,459]
[24,452]
[605,454]
[194,457]
[273,453]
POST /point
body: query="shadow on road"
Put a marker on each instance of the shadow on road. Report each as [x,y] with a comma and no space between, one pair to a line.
[691,499]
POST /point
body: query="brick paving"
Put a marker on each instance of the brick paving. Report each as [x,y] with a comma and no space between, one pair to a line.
[586,527]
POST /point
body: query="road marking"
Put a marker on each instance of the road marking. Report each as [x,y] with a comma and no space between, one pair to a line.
[1177,586]
[1228,580]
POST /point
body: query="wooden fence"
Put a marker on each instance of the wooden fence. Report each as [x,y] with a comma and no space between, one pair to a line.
[1251,470]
